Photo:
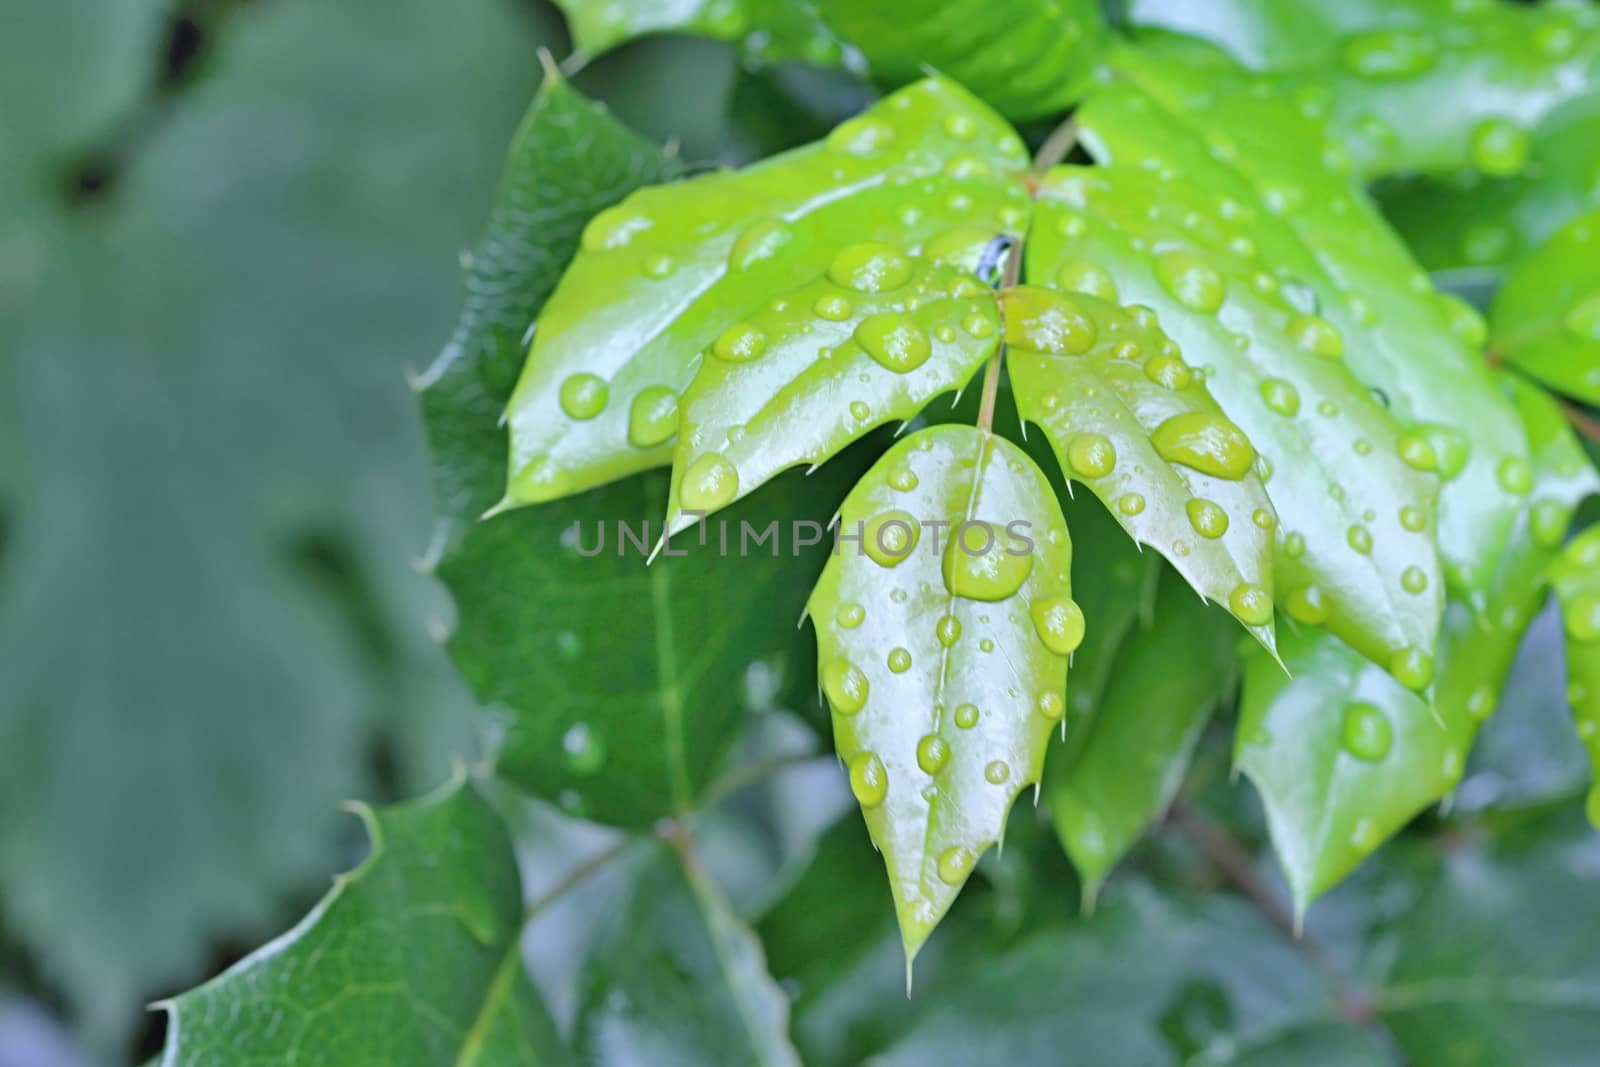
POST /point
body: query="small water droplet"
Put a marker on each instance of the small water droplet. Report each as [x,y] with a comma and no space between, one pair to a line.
[583,396]
[1251,604]
[1168,372]
[1130,503]
[1581,617]
[954,864]
[1192,281]
[899,661]
[869,780]
[1515,475]
[1308,605]
[739,343]
[932,753]
[849,615]
[652,417]
[948,630]
[860,137]
[1280,396]
[1412,668]
[1389,53]
[710,482]
[1081,277]
[1091,455]
[1316,335]
[1366,732]
[582,750]
[1500,147]
[833,307]
[967,716]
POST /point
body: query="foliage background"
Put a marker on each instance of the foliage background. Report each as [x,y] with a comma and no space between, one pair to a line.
[228,229]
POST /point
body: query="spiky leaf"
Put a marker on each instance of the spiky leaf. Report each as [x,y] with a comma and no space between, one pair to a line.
[1165,683]
[943,637]
[413,959]
[1419,349]
[1025,58]
[1576,579]
[661,277]
[1547,314]
[1128,419]
[1343,755]
[769,30]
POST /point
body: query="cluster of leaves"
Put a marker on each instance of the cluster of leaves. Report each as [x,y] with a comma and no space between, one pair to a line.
[1220,338]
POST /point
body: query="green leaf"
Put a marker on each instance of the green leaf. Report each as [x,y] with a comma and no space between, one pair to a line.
[1547,314]
[1123,414]
[412,959]
[1026,59]
[1342,755]
[769,30]
[1148,980]
[662,276]
[1418,348]
[1354,515]
[1166,681]
[567,161]
[773,393]
[1420,85]
[1575,577]
[677,979]
[943,635]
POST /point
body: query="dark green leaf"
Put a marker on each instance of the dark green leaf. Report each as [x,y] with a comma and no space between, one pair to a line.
[412,959]
[1547,315]
[770,30]
[943,635]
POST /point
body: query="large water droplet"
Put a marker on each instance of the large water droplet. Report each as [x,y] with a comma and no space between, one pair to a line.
[1059,622]
[1359,538]
[1366,732]
[1251,604]
[955,863]
[1280,396]
[739,343]
[869,780]
[1207,517]
[1037,320]
[1417,452]
[894,341]
[1548,519]
[1500,147]
[583,396]
[869,268]
[1091,455]
[710,483]
[1412,668]
[948,631]
[932,753]
[1168,372]
[890,537]
[1515,475]
[845,686]
[1414,580]
[1206,442]
[1191,281]
[652,417]
[979,565]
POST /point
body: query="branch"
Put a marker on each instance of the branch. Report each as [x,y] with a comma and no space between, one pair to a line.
[991,374]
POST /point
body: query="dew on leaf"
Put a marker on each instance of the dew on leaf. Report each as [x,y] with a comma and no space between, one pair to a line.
[1191,280]
[710,483]
[932,753]
[979,566]
[1205,441]
[869,780]
[652,417]
[582,750]
[1059,623]
[1280,396]
[899,661]
[894,341]
[871,267]
[954,864]
[890,537]
[1091,455]
[1207,517]
[1412,668]
[1365,732]
[1251,604]
[1308,605]
[845,686]
[997,772]
[583,396]
[967,716]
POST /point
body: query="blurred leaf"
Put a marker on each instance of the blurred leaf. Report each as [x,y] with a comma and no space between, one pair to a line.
[210,634]
[1167,680]
[1149,980]
[1026,59]
[674,272]
[1342,755]
[1418,348]
[1547,314]
[1576,578]
[411,959]
[943,635]
[1124,415]
[769,30]
[676,978]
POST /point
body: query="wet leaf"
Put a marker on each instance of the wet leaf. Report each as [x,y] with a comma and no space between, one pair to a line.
[1166,681]
[1546,318]
[943,636]
[768,30]
[1344,756]
[1420,350]
[1129,419]
[412,959]
[660,278]
[1576,579]
[1026,59]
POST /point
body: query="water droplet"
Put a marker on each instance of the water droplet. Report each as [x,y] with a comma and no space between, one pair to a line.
[1207,517]
[582,750]
[1280,396]
[833,307]
[948,630]
[1206,442]
[739,343]
[1038,320]
[960,126]
[1412,668]
[1582,319]
[1364,835]
[1359,538]
[904,479]
[1080,277]
[652,417]
[710,483]
[613,228]
[1059,623]
[869,781]
[849,615]
[1500,147]
[1366,732]
[1514,475]
[1251,604]
[583,396]
[860,137]
[1548,520]
[1417,452]
[1451,448]
[1581,616]
[1052,705]
[978,324]
[890,537]
[955,863]
[845,686]
[1168,372]
[1413,519]
[1480,705]
[967,716]
[1390,53]
[1191,281]
[997,772]
[932,753]
[980,566]
[1413,580]
[1130,503]
[894,341]
[1294,545]
[1091,455]
[899,661]
[869,268]
[1316,335]
[1308,605]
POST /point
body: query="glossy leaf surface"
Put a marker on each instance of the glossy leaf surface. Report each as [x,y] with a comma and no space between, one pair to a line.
[1025,58]
[1127,418]
[1343,755]
[1547,314]
[1166,681]
[1417,348]
[769,30]
[1353,519]
[412,959]
[943,637]
[661,277]
[1576,580]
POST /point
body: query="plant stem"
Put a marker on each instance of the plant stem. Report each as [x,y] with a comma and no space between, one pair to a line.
[991,374]
[1062,139]
[1581,420]
[573,877]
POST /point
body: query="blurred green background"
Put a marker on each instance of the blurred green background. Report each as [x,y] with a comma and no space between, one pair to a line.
[228,230]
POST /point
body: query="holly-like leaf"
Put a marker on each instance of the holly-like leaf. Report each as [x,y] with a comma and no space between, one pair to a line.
[1419,349]
[412,959]
[1166,681]
[661,278]
[1418,85]
[676,978]
[1353,519]
[1342,755]
[1576,579]
[1129,419]
[943,634]
[825,363]
[1025,58]
[1547,314]
[768,30]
